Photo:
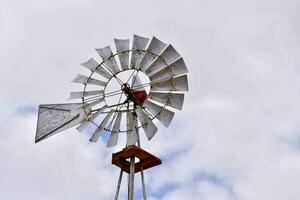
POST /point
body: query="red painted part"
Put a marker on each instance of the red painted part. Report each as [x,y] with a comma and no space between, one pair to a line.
[140,96]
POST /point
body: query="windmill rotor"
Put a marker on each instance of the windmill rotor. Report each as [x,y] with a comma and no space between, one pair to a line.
[128,91]
[145,82]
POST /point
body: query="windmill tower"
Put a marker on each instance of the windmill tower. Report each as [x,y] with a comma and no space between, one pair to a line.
[123,96]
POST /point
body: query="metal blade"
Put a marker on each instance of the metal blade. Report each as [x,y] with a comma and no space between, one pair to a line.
[101,127]
[113,139]
[169,99]
[54,118]
[90,120]
[174,84]
[164,115]
[87,106]
[131,131]
[76,95]
[95,67]
[154,49]
[137,84]
[122,47]
[149,127]
[86,80]
[107,56]
[168,56]
[138,46]
[174,69]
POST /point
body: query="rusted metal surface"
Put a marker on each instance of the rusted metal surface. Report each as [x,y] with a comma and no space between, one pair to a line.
[146,159]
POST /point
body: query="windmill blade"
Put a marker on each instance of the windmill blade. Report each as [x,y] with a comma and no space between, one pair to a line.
[168,56]
[136,84]
[113,139]
[54,118]
[77,95]
[92,65]
[86,80]
[174,84]
[174,69]
[131,129]
[101,127]
[122,47]
[164,115]
[154,49]
[139,45]
[149,127]
[87,106]
[90,120]
[168,99]
[107,56]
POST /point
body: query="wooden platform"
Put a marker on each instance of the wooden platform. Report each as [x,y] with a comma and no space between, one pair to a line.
[147,160]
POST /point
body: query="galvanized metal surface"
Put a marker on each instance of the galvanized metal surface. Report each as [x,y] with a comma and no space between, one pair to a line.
[174,69]
[142,167]
[77,95]
[154,49]
[92,65]
[149,127]
[164,115]
[87,106]
[107,56]
[101,127]
[113,139]
[90,120]
[86,80]
[163,65]
[131,179]
[169,99]
[54,118]
[131,132]
[139,45]
[119,185]
[174,84]
[168,56]
[122,47]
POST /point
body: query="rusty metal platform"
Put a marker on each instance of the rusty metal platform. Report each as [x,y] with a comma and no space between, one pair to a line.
[147,160]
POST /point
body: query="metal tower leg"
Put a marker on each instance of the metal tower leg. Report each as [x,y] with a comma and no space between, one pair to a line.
[143,184]
[119,185]
[131,179]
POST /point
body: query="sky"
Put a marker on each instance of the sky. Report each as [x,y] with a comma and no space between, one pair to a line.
[237,137]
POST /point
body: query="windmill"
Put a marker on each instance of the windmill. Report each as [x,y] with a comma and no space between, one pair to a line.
[128,91]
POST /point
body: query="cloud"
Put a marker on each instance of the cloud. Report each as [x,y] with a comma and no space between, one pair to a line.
[236,137]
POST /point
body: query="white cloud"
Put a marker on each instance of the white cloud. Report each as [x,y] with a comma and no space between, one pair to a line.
[240,121]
